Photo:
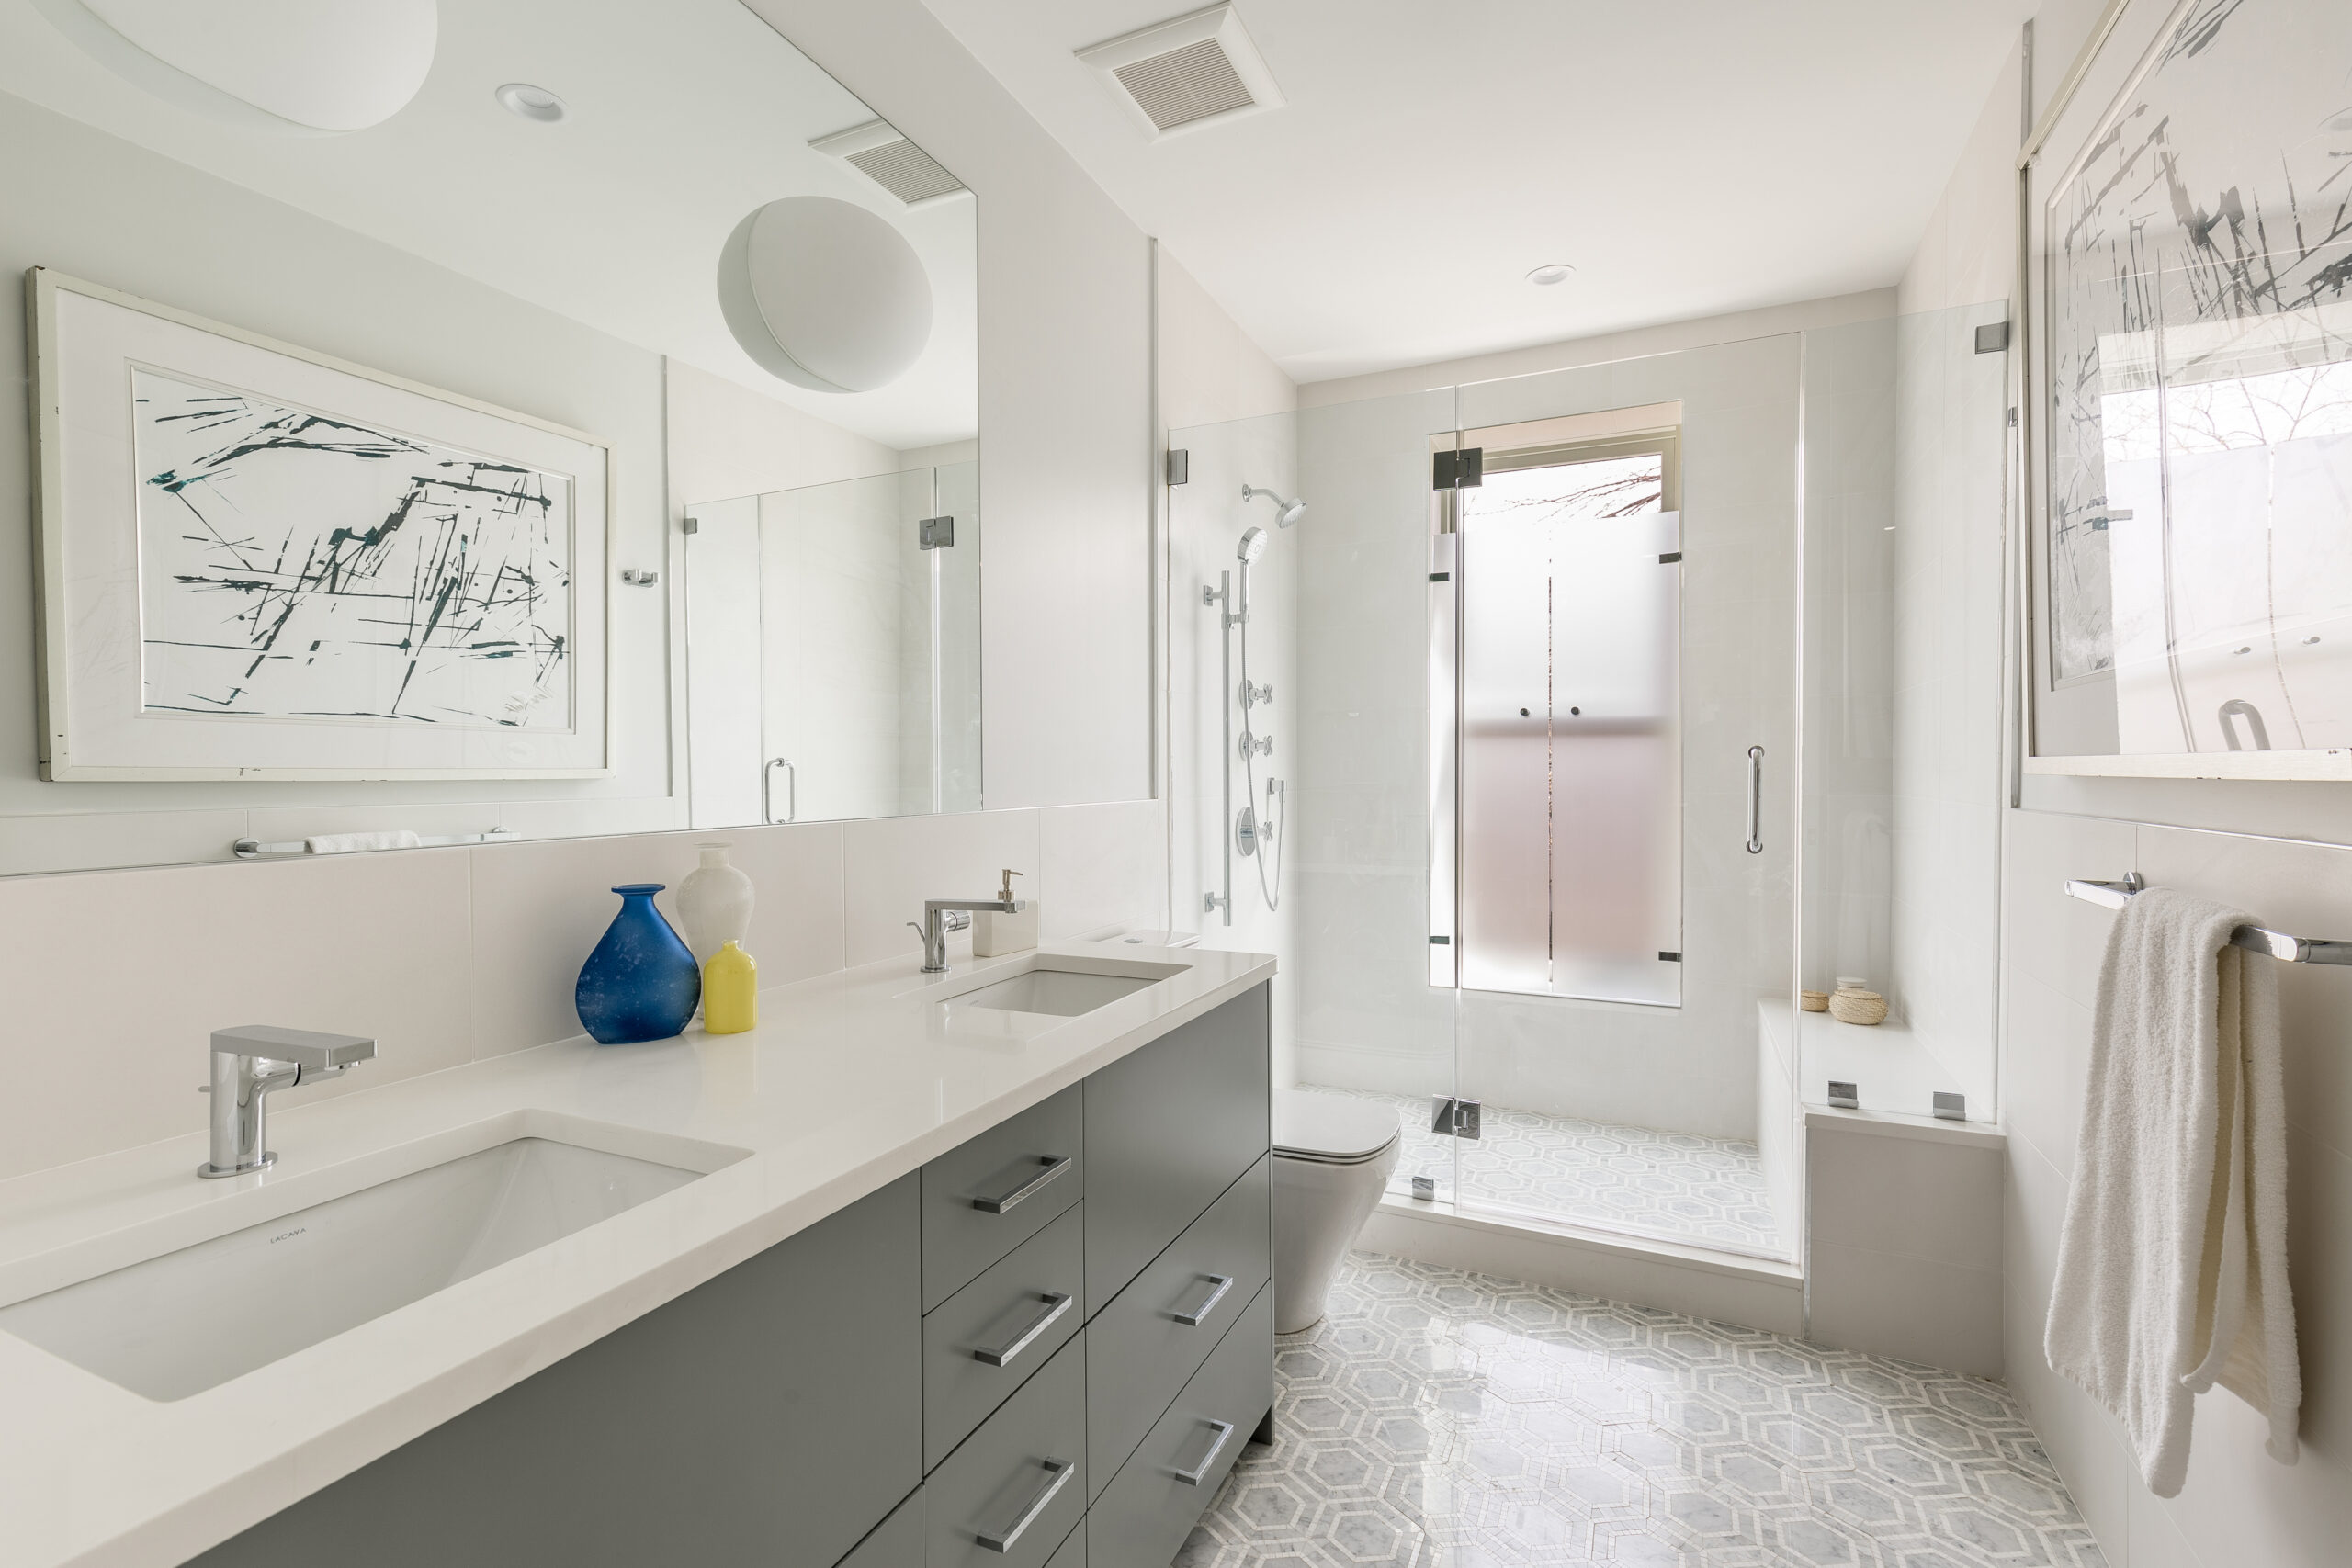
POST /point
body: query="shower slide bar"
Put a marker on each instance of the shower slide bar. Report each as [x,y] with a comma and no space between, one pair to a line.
[2255,938]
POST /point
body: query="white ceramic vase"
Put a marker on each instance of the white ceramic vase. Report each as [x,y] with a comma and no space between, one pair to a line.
[714,901]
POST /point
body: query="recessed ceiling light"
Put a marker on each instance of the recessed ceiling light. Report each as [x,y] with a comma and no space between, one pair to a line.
[1549,274]
[532,103]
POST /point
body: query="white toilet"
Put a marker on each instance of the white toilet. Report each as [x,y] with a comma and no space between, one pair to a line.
[1332,1158]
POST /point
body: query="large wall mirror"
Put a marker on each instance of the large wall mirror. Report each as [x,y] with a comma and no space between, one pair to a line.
[511,419]
[2191,400]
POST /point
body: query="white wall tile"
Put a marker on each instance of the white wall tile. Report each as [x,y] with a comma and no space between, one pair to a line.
[539,910]
[799,923]
[2049,1055]
[894,864]
[1907,1307]
[1098,866]
[1908,1197]
[123,975]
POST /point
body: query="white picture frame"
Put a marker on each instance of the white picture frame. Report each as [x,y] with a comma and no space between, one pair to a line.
[2109,119]
[254,610]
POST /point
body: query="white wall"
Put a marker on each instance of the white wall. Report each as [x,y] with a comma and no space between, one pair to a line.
[2278,849]
[727,441]
[1701,331]
[1227,405]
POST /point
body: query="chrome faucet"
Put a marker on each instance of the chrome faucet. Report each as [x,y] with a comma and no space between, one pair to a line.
[248,1063]
[941,916]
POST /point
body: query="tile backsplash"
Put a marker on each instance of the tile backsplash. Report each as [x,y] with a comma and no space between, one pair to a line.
[452,956]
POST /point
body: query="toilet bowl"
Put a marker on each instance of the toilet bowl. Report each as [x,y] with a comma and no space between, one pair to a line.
[1332,1158]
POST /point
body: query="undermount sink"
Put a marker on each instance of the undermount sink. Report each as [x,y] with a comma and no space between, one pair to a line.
[1060,986]
[190,1319]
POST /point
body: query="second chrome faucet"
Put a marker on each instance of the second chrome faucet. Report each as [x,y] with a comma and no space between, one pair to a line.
[941,916]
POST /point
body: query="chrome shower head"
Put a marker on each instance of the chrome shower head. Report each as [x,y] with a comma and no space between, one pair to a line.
[1253,544]
[1285,511]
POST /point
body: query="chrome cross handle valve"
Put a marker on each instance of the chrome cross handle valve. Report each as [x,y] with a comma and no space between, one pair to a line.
[1252,745]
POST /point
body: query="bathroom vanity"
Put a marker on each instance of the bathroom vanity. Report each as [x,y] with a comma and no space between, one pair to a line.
[933,1281]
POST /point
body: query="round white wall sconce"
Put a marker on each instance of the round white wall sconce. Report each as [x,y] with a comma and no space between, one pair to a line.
[825,295]
[305,66]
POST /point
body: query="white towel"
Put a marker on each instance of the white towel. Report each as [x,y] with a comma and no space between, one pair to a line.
[347,844]
[2172,1264]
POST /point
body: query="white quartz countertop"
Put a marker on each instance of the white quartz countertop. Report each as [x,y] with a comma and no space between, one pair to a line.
[851,1081]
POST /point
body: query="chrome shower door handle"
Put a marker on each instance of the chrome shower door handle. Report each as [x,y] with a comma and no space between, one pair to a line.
[1059,1470]
[1199,1473]
[791,790]
[1755,800]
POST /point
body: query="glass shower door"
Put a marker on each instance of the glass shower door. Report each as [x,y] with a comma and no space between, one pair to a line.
[834,651]
[1623,554]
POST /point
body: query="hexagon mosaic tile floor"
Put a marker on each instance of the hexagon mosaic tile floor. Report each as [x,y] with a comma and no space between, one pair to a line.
[1437,1419]
[1676,1186]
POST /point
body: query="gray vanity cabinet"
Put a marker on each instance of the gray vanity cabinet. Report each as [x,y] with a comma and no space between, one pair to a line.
[1045,1349]
[769,1419]
[1172,1126]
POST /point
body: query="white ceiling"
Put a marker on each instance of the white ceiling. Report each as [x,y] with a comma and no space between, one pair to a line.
[1689,157]
[686,115]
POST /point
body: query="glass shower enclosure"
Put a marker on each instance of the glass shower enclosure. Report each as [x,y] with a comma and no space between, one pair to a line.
[1586,724]
[833,640]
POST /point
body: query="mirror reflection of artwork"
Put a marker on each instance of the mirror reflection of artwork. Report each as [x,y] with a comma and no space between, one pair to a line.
[297,565]
[2200,544]
[261,562]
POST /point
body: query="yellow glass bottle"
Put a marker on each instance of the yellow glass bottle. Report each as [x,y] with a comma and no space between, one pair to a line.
[730,992]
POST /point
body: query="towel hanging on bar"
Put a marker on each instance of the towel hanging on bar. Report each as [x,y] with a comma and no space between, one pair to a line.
[2279,945]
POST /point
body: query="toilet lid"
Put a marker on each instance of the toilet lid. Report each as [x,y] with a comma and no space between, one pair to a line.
[1335,1128]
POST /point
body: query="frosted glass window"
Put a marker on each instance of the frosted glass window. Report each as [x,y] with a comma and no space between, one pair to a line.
[1569,750]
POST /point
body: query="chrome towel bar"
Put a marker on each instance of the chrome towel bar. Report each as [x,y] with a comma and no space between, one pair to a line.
[2255,939]
[251,848]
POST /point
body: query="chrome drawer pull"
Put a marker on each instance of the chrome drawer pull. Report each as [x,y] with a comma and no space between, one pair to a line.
[1199,1473]
[1061,1471]
[1027,1190]
[1199,1314]
[1056,1305]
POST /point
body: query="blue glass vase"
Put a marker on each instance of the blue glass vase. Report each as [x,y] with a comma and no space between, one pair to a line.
[641,983]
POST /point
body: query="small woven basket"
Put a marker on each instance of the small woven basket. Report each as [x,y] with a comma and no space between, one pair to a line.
[1813,1002]
[1849,1006]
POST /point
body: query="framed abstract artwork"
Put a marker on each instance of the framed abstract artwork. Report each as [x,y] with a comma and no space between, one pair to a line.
[259,562]
[2189,261]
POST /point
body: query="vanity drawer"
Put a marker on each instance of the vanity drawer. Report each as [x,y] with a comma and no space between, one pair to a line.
[1140,1349]
[984,1341]
[1173,1125]
[896,1543]
[1008,1497]
[1143,1516]
[987,1196]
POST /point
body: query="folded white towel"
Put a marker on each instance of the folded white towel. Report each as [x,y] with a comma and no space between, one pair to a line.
[346,843]
[2172,1263]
